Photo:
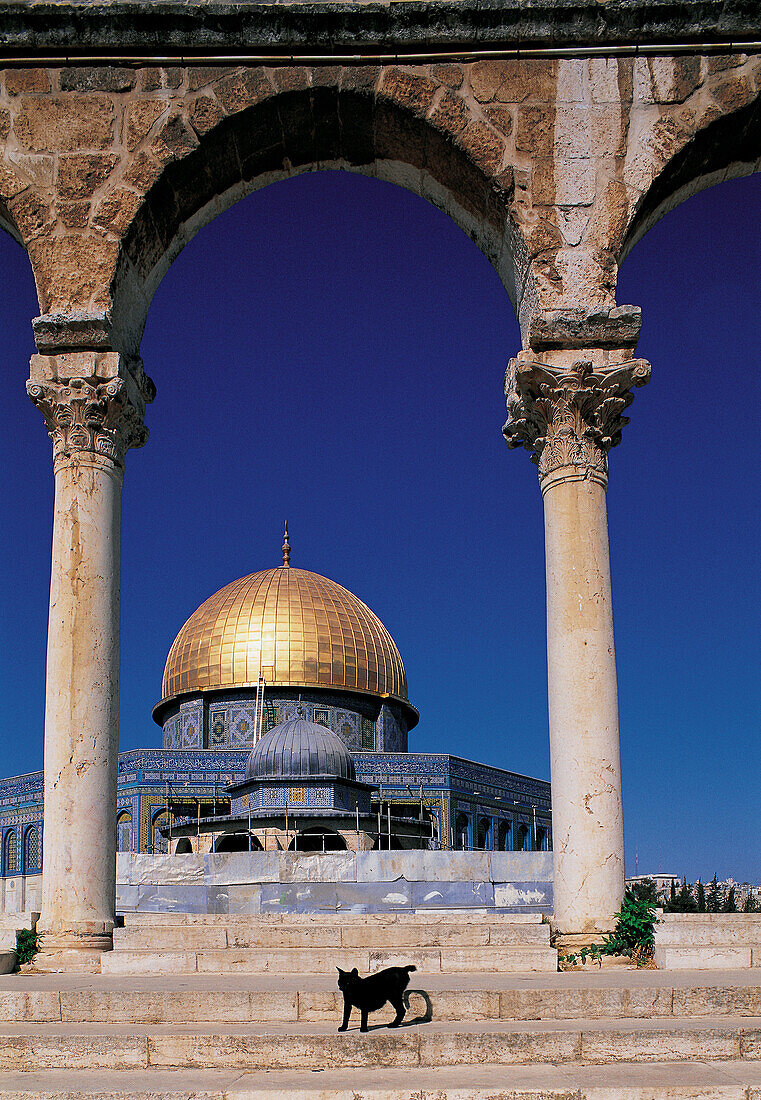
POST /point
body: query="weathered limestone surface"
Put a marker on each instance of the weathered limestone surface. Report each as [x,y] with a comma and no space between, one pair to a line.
[554,166]
[568,411]
[93,411]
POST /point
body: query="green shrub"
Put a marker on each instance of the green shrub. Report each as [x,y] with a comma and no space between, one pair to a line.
[634,933]
[26,945]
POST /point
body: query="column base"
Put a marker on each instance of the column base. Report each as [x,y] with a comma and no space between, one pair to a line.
[77,947]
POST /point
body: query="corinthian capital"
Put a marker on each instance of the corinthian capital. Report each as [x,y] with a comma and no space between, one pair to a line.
[90,413]
[570,417]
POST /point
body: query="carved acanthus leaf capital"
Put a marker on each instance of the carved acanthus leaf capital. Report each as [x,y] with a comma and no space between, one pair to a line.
[570,417]
[84,415]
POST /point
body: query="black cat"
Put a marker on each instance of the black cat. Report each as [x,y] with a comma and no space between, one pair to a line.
[370,994]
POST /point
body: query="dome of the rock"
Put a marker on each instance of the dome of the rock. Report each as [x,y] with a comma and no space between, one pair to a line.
[300,750]
[292,627]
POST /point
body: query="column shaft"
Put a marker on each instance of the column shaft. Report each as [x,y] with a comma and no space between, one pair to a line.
[587,815]
[568,411]
[82,709]
[93,407]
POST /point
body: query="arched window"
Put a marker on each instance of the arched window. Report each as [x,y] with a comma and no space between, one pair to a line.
[319,840]
[236,842]
[505,836]
[124,832]
[160,821]
[524,838]
[484,832]
[31,851]
[11,854]
[461,828]
[542,839]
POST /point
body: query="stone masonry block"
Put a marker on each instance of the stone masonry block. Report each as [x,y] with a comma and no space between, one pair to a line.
[26,81]
[5,123]
[10,182]
[98,78]
[141,115]
[64,123]
[450,75]
[535,130]
[117,211]
[451,114]
[483,145]
[501,119]
[73,215]
[243,88]
[174,140]
[205,112]
[513,81]
[408,90]
[81,174]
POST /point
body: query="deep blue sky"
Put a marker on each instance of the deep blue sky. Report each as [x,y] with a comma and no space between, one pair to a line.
[331,351]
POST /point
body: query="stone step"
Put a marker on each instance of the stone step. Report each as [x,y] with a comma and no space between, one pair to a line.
[314,1047]
[709,929]
[438,916]
[704,1080]
[704,957]
[200,999]
[324,960]
[334,935]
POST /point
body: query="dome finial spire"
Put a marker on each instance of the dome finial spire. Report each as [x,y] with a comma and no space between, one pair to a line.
[286,549]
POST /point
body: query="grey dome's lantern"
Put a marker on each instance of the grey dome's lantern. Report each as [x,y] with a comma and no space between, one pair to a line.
[299,749]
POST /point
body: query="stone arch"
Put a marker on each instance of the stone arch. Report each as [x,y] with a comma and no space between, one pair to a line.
[184,846]
[241,132]
[715,136]
[237,842]
[317,840]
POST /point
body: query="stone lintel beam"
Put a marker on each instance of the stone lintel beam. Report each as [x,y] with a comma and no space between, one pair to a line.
[198,26]
[576,328]
[569,411]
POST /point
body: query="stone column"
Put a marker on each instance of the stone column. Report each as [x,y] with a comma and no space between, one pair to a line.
[93,407]
[567,410]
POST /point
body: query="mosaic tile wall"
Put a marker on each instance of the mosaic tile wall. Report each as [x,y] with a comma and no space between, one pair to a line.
[227,722]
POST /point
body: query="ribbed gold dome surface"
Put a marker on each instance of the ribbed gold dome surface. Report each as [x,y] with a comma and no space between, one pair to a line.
[290,626]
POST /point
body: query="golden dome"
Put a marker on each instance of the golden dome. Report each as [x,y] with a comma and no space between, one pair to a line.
[294,628]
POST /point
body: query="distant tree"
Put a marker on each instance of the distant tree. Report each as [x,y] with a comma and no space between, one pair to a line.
[713,898]
[750,905]
[730,902]
[646,891]
[681,902]
[701,898]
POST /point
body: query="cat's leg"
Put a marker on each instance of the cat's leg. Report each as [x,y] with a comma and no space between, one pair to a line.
[397,1002]
[347,1014]
[363,1022]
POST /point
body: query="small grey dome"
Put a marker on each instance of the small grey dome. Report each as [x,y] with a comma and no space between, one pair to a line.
[298,749]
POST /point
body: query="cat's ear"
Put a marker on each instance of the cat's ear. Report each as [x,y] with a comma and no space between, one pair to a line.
[340,971]
[355,973]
